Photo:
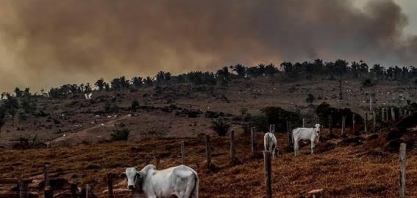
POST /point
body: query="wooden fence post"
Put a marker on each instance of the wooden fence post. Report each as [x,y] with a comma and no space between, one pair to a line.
[343,124]
[232,146]
[73,191]
[253,138]
[353,125]
[330,125]
[374,121]
[48,192]
[366,122]
[382,114]
[370,104]
[23,189]
[402,169]
[303,122]
[290,140]
[110,184]
[393,114]
[208,151]
[87,189]
[182,153]
[267,162]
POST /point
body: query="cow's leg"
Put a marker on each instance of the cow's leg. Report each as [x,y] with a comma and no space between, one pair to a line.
[295,148]
[188,191]
[312,147]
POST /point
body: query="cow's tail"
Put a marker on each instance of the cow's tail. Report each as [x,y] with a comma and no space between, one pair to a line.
[194,193]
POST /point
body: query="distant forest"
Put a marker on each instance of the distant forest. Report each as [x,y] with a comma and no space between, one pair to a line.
[23,103]
[288,70]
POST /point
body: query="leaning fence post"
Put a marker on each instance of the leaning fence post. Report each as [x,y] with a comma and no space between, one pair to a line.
[208,151]
[232,146]
[110,184]
[253,138]
[402,169]
[267,162]
[182,152]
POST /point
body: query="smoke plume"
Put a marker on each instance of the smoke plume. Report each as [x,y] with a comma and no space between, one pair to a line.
[46,43]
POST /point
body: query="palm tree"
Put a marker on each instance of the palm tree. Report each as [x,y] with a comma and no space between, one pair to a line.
[137,82]
[100,84]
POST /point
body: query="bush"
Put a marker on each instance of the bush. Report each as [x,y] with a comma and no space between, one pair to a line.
[310,98]
[135,105]
[110,107]
[220,126]
[120,134]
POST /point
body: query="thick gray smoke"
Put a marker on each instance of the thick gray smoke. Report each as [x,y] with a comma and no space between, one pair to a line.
[47,43]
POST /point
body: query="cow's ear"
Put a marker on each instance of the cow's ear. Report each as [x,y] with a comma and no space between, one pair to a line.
[122,175]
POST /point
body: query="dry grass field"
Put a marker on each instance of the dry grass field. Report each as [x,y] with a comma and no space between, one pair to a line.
[84,155]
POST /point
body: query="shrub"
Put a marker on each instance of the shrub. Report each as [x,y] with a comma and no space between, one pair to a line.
[110,107]
[220,126]
[120,134]
[310,98]
[135,105]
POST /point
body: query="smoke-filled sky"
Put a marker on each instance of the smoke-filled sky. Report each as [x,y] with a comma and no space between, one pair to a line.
[47,43]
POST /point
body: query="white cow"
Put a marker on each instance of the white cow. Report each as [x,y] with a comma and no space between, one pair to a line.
[181,181]
[270,144]
[305,134]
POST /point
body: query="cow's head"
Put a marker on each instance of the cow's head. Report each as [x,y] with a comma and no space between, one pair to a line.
[317,129]
[134,178]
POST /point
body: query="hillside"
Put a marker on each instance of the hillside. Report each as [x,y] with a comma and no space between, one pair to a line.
[170,104]
[78,132]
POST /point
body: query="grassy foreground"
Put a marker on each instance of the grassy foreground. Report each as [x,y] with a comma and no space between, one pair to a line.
[348,171]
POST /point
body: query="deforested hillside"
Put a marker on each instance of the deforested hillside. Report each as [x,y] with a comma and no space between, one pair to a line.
[86,133]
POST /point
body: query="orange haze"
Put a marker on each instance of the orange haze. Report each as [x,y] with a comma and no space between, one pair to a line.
[46,43]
